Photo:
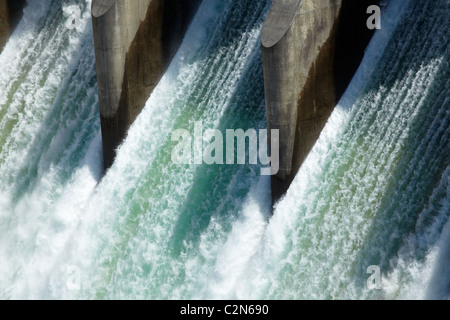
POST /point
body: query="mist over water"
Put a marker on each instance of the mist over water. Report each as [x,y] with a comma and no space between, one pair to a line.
[374,191]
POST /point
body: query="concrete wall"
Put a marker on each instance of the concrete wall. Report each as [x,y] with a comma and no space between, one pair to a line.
[4,23]
[305,47]
[134,44]
[10,14]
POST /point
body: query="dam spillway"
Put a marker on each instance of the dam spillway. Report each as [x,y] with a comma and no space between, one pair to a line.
[310,50]
[373,191]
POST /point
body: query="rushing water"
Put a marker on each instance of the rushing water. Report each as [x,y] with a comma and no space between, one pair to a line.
[373,192]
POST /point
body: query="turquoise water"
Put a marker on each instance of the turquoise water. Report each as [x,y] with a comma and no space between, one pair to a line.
[374,190]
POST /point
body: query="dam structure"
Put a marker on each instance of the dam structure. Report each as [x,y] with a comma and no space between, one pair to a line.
[311,50]
[373,191]
[134,43]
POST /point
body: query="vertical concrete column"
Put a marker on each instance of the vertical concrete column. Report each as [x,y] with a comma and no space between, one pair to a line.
[135,40]
[10,14]
[297,47]
[115,25]
[311,50]
[4,23]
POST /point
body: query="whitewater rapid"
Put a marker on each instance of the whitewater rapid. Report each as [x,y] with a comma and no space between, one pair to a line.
[374,190]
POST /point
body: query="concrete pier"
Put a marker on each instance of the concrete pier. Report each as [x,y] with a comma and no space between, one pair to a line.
[311,49]
[134,44]
[10,14]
